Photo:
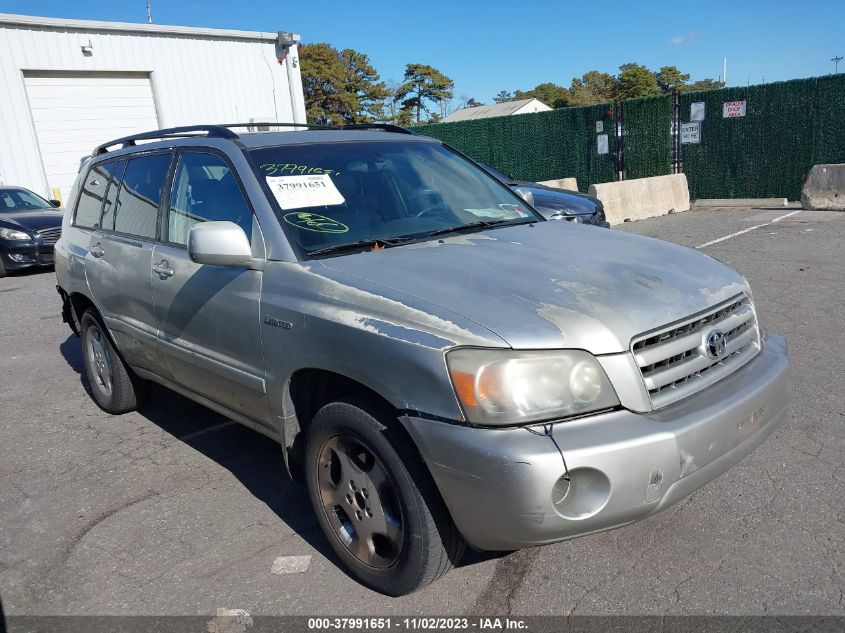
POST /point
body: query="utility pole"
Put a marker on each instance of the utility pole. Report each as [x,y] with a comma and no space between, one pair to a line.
[149,13]
[725,71]
[836,61]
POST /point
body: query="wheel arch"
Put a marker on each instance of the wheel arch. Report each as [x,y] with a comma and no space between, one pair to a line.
[306,392]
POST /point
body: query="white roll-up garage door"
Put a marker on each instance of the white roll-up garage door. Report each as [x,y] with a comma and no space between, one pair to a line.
[75,112]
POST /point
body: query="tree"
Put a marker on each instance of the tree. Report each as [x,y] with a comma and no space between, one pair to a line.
[706,84]
[339,87]
[669,79]
[635,80]
[592,87]
[503,97]
[422,84]
[549,93]
[472,102]
[362,82]
[322,84]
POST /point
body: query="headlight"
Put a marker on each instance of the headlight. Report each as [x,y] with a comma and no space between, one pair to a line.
[504,387]
[12,234]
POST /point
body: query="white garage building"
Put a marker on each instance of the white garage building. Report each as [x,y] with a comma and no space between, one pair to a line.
[68,85]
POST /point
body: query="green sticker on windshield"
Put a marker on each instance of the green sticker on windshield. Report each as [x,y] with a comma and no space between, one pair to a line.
[314,222]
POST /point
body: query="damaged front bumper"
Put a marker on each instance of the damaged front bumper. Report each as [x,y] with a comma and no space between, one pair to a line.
[508,488]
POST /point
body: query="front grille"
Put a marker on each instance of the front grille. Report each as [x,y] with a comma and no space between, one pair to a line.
[50,236]
[674,362]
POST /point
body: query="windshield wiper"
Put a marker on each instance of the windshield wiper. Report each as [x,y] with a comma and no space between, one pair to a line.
[361,244]
[480,224]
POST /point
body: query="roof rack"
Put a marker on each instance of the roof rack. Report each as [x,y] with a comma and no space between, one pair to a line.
[387,127]
[223,130]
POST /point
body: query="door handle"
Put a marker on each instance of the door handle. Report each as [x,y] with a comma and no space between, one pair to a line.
[97,251]
[163,269]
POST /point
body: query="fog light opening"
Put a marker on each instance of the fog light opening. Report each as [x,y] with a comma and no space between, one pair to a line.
[583,496]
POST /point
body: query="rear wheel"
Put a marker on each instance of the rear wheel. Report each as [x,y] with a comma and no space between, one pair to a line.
[376,501]
[113,385]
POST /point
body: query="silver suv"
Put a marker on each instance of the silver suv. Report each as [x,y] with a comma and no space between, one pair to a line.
[441,365]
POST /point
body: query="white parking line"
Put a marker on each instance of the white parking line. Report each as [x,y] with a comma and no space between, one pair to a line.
[750,228]
[209,429]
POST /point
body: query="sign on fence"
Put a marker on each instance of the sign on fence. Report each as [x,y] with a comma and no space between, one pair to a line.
[599,126]
[733,109]
[691,132]
[696,111]
[601,144]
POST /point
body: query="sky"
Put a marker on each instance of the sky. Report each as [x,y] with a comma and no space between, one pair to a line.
[498,45]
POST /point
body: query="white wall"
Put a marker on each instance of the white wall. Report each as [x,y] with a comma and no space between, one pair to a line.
[197,78]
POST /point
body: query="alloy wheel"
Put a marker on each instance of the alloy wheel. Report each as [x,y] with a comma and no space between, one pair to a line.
[360,501]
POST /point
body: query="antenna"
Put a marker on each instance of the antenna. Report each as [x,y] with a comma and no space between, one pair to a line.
[149,13]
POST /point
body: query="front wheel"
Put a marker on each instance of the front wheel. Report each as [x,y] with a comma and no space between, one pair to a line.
[375,499]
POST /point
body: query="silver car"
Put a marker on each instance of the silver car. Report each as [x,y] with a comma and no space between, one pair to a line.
[441,365]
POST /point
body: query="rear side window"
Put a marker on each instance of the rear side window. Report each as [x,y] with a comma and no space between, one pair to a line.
[91,197]
[110,203]
[139,198]
[205,190]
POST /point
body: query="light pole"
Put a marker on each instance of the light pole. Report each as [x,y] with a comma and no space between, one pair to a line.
[836,61]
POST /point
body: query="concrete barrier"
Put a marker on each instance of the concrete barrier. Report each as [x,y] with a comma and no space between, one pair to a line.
[825,188]
[642,197]
[561,183]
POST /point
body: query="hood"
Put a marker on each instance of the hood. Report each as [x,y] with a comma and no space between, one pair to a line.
[553,284]
[34,220]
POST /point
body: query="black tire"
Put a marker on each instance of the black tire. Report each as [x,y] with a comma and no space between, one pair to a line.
[430,542]
[119,392]
[2,268]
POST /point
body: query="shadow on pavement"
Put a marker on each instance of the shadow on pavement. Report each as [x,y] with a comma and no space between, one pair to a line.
[254,459]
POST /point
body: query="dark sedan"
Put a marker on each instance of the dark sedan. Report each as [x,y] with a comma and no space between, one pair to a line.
[557,204]
[29,227]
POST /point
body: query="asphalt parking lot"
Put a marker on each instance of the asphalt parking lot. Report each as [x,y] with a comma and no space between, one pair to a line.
[175,510]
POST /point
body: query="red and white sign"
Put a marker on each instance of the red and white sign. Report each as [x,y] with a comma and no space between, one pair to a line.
[733,109]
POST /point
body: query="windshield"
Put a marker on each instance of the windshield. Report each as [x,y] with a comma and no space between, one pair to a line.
[21,200]
[355,193]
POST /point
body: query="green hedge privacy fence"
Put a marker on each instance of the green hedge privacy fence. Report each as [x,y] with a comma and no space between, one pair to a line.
[646,125]
[537,146]
[788,127]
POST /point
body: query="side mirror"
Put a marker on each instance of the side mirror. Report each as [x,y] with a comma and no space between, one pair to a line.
[526,195]
[55,203]
[219,244]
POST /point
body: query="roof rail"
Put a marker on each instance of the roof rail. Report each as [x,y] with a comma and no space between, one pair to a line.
[223,130]
[218,131]
[387,127]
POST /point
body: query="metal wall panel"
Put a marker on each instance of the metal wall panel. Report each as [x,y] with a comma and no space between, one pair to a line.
[196,78]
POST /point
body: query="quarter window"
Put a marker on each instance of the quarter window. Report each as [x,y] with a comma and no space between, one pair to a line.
[205,190]
[136,212]
[91,197]
[109,206]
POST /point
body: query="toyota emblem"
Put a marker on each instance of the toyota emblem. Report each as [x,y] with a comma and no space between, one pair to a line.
[715,343]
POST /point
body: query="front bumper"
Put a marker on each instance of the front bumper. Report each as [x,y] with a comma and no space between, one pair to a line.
[21,255]
[499,484]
